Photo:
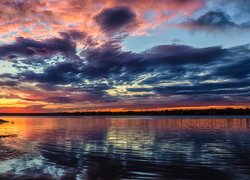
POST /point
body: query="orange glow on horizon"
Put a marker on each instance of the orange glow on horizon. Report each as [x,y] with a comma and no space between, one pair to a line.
[38,110]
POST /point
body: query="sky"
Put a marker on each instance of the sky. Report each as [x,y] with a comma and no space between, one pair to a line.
[115,55]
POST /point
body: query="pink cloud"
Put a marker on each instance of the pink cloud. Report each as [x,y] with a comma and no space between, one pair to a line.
[42,18]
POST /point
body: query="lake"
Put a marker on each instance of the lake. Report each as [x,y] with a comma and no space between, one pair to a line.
[125,148]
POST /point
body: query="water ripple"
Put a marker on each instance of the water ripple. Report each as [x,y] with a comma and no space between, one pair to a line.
[125,148]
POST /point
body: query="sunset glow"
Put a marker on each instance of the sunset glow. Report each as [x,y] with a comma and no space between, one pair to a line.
[114,55]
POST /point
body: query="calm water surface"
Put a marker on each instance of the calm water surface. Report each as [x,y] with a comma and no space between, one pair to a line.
[125,148]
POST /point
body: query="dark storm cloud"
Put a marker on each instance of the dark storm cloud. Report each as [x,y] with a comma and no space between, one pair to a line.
[5,76]
[75,35]
[78,36]
[29,47]
[211,19]
[8,83]
[110,61]
[237,70]
[48,87]
[205,88]
[113,19]
[61,73]
[105,67]
[215,19]
[181,55]
[216,88]
[241,6]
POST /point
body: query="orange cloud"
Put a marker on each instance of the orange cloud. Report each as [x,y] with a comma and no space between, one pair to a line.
[42,18]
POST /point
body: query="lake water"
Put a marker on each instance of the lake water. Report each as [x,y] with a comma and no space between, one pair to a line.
[125,148]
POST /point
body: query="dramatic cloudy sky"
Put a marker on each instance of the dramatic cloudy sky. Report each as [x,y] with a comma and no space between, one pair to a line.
[84,55]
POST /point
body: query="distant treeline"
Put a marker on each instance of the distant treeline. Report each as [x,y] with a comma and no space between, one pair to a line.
[177,112]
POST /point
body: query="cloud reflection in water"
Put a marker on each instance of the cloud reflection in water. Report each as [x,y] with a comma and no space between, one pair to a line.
[128,148]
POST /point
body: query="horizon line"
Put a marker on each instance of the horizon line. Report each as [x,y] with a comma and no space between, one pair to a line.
[207,111]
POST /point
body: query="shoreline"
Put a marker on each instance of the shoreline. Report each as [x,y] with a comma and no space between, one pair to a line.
[177,112]
[3,121]
[135,116]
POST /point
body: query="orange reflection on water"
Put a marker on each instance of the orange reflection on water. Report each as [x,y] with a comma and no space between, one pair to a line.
[28,127]
[144,136]
[25,127]
[122,132]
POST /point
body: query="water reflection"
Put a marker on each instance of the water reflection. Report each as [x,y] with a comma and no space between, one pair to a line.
[125,148]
